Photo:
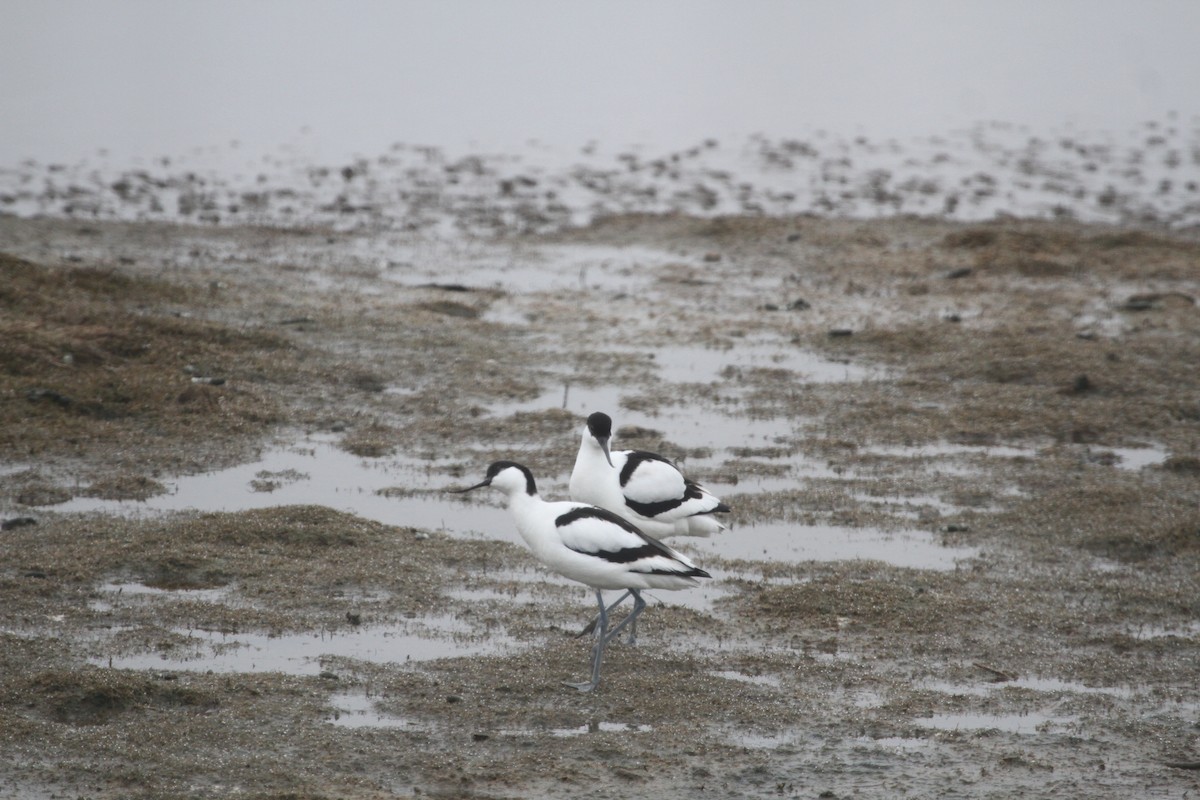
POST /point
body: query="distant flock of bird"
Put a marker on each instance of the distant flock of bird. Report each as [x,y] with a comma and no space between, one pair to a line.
[607,535]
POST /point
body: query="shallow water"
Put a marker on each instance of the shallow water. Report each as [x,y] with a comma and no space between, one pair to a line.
[359,710]
[698,427]
[1127,458]
[1135,458]
[757,680]
[317,471]
[1189,631]
[700,364]
[307,653]
[1037,684]
[116,592]
[314,470]
[795,542]
[1024,724]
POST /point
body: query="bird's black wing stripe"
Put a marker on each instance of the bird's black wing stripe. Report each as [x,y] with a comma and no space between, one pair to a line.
[628,554]
[634,459]
[653,509]
[583,512]
[648,549]
[694,572]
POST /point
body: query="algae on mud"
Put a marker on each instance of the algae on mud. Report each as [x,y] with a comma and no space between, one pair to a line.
[797,678]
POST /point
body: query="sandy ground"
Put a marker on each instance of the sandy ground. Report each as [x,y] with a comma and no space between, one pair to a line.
[1057,657]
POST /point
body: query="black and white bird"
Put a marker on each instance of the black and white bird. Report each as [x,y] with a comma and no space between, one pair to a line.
[593,546]
[644,488]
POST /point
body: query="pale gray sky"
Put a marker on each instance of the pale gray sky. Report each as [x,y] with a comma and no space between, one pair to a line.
[155,78]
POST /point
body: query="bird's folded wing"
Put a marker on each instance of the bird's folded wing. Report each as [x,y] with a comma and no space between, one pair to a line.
[595,532]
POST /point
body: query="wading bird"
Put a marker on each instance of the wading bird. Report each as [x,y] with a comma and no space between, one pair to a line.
[590,545]
[644,488]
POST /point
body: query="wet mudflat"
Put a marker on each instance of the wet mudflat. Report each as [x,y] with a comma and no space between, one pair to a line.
[964,461]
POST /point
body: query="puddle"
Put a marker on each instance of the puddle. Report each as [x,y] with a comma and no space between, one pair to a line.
[582,730]
[741,677]
[534,585]
[694,428]
[796,542]
[949,450]
[705,424]
[864,698]
[1190,630]
[1055,685]
[117,591]
[744,482]
[212,595]
[764,741]
[697,427]
[896,743]
[1135,458]
[714,431]
[1024,724]
[1048,685]
[911,507]
[316,471]
[313,471]
[357,710]
[484,595]
[304,653]
[1127,458]
[698,364]
[596,727]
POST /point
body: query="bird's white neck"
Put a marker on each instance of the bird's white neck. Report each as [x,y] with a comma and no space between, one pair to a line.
[527,509]
[591,453]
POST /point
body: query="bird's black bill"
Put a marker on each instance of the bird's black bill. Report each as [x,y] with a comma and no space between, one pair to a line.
[604,448]
[479,485]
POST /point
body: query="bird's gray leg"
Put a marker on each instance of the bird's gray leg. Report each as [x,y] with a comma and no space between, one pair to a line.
[602,638]
[632,638]
[591,626]
[639,605]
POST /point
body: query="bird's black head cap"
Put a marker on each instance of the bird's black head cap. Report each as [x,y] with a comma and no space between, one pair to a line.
[497,467]
[600,425]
